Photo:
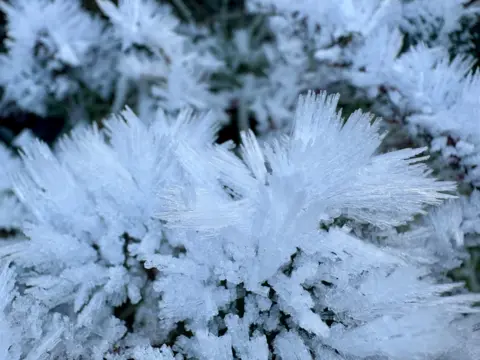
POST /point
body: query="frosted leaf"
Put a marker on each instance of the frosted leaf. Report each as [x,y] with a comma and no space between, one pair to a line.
[47,248]
[445,234]
[200,306]
[253,156]
[416,334]
[424,77]
[137,21]
[446,221]
[294,300]
[372,68]
[48,343]
[186,87]
[372,295]
[42,51]
[39,191]
[439,96]
[247,345]
[206,346]
[288,345]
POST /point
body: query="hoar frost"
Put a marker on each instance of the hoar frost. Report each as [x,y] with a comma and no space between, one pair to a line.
[151,241]
[145,239]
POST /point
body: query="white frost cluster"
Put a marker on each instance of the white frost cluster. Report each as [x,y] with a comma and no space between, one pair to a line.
[159,219]
[361,44]
[144,236]
[51,44]
[57,52]
[441,99]
[157,60]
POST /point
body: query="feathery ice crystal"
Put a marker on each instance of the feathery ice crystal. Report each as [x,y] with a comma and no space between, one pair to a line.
[150,241]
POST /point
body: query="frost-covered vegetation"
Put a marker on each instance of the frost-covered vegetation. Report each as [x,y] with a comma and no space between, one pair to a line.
[339,220]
